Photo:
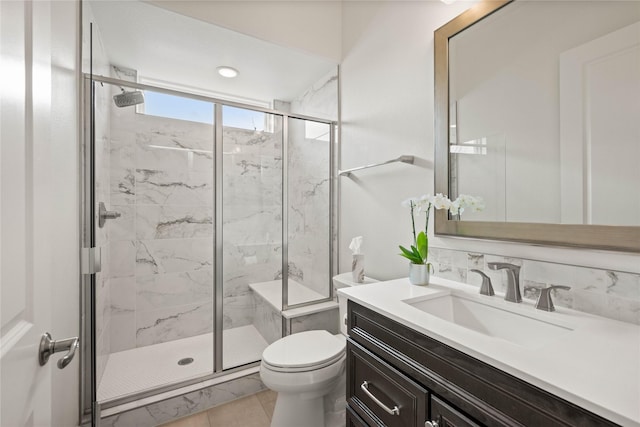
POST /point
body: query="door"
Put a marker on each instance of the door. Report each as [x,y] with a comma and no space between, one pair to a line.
[29,231]
[599,130]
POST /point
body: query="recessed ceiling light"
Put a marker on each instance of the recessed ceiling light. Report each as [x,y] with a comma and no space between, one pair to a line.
[448,1]
[227,72]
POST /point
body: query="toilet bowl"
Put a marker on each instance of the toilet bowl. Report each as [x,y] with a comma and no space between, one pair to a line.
[307,370]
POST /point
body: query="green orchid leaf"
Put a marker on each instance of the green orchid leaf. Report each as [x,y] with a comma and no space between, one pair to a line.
[422,244]
[411,256]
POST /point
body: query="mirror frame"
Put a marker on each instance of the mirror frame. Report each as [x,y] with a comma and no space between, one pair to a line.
[614,238]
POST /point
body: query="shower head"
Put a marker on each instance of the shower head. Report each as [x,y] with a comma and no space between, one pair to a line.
[127,99]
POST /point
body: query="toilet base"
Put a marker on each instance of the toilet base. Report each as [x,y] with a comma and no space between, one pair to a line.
[292,411]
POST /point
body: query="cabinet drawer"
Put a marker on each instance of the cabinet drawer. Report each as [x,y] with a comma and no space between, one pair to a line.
[380,394]
[446,416]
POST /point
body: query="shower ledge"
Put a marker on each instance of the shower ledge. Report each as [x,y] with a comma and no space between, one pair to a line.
[271,292]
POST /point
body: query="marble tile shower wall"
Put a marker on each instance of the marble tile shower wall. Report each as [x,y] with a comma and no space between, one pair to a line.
[161,248]
[252,217]
[607,293]
[309,184]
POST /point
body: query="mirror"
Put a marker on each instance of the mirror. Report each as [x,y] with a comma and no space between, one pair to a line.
[536,112]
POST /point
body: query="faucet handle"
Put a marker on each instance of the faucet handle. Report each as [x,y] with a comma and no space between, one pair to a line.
[486,288]
[503,266]
[544,300]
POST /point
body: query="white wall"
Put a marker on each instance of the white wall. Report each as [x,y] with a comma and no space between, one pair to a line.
[312,26]
[387,110]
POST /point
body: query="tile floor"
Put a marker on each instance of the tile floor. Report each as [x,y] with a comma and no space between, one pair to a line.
[251,411]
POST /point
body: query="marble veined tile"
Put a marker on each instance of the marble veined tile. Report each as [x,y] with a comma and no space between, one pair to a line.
[123,295]
[238,310]
[190,403]
[166,324]
[160,130]
[267,321]
[157,157]
[319,100]
[123,186]
[243,137]
[174,187]
[173,255]
[122,228]
[122,258]
[122,154]
[173,289]
[625,285]
[171,221]
[122,332]
[174,133]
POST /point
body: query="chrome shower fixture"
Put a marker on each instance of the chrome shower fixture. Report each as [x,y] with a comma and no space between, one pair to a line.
[127,99]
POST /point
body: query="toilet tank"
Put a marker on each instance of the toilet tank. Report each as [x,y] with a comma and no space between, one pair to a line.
[342,281]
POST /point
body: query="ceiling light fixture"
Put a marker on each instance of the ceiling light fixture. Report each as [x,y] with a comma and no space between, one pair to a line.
[227,72]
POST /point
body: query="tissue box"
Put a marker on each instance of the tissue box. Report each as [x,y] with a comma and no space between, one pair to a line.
[357,268]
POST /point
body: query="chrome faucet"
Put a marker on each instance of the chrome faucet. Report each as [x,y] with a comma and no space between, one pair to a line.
[544,300]
[513,280]
[485,288]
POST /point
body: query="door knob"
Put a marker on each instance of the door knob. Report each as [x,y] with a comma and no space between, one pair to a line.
[49,347]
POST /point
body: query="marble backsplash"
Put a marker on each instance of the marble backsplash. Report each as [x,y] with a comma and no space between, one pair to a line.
[606,293]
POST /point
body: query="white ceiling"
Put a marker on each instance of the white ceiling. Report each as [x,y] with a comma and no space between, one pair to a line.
[167,47]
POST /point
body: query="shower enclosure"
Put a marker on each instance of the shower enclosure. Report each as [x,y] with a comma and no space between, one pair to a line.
[192,206]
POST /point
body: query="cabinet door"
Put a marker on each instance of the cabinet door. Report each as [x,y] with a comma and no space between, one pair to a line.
[353,420]
[381,395]
[446,416]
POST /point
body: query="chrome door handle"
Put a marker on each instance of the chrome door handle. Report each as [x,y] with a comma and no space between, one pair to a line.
[49,347]
[395,411]
[104,214]
[430,424]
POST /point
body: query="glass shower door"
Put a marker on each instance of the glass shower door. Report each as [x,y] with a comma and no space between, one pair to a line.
[309,212]
[251,233]
[154,175]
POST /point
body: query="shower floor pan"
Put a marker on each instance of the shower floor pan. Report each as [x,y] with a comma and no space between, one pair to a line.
[139,369]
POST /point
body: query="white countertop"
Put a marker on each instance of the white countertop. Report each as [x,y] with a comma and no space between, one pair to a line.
[596,366]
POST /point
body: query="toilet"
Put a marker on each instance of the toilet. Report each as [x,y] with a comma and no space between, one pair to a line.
[307,370]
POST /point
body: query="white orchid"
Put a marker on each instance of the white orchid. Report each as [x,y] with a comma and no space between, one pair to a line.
[420,248]
[440,201]
[464,201]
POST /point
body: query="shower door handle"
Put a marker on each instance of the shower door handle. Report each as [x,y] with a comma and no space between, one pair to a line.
[49,347]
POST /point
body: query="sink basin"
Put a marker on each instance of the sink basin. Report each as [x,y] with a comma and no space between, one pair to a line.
[491,320]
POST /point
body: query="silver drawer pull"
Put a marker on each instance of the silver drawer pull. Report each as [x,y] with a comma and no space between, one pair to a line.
[394,411]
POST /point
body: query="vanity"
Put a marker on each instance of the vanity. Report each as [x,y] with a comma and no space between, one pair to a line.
[434,356]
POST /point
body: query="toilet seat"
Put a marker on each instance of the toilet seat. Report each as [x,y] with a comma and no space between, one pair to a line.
[303,351]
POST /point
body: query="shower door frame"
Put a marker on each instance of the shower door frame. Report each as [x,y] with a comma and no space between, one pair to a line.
[90,258]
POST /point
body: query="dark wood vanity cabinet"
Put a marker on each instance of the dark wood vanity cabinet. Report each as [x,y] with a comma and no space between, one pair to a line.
[399,377]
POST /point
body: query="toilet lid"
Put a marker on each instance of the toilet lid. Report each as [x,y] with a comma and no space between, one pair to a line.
[304,349]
